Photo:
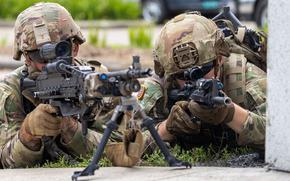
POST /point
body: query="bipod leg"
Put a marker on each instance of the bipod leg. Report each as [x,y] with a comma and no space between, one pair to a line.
[172,161]
[111,126]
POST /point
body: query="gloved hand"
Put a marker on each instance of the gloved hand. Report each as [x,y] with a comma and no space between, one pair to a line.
[40,122]
[218,115]
[128,152]
[68,126]
[179,121]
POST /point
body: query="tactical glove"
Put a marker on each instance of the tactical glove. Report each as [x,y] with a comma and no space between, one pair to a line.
[128,152]
[40,122]
[68,127]
[217,115]
[180,122]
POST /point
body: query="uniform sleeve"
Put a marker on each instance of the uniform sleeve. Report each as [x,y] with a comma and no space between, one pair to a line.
[13,154]
[81,145]
[255,101]
[151,100]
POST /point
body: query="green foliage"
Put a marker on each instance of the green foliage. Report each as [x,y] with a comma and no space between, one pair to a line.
[140,37]
[200,154]
[196,155]
[265,28]
[82,162]
[154,159]
[94,38]
[85,9]
[3,42]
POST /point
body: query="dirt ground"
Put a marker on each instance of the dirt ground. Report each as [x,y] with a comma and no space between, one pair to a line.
[113,58]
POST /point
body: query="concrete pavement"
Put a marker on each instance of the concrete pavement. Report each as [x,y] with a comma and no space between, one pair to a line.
[148,174]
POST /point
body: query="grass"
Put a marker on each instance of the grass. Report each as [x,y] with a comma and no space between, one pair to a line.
[85,9]
[140,37]
[62,163]
[3,42]
[265,28]
[194,156]
[94,38]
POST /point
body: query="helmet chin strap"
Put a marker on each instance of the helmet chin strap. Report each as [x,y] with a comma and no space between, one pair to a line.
[216,65]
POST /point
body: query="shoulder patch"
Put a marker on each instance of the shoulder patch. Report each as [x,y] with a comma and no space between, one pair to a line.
[141,92]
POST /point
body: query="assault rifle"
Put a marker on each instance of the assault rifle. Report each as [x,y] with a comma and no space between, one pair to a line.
[206,92]
[242,39]
[76,90]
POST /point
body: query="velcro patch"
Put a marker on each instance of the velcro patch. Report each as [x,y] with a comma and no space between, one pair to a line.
[41,33]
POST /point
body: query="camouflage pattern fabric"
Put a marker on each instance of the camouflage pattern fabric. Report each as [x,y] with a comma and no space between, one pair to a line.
[13,153]
[152,100]
[178,48]
[43,23]
[37,25]
[254,101]
[191,40]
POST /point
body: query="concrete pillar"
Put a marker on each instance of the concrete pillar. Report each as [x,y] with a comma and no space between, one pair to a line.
[278,125]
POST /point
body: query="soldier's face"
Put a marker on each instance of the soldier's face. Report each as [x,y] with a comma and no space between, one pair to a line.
[180,83]
[209,75]
[38,66]
[34,64]
[37,63]
[75,49]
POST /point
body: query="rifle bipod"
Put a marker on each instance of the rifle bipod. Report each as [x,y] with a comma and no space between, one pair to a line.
[127,103]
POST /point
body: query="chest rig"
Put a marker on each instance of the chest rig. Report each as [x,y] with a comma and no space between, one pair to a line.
[234,77]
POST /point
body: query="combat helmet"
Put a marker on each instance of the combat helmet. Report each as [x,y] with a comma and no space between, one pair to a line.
[43,23]
[185,41]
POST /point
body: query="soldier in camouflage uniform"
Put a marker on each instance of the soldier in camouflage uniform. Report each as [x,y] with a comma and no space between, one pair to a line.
[191,40]
[24,121]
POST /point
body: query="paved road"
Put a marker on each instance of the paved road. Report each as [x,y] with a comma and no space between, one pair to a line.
[148,174]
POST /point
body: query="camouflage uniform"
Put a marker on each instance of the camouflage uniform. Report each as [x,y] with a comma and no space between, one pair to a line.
[243,82]
[254,100]
[39,24]
[13,153]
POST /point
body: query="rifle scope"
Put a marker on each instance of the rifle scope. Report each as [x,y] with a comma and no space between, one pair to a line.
[51,51]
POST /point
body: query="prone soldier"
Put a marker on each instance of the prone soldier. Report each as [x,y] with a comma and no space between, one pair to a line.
[25,120]
[192,41]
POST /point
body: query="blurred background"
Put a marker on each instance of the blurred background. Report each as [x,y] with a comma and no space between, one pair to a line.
[118,29]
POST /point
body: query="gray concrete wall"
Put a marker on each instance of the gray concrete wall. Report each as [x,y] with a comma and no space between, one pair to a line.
[278,125]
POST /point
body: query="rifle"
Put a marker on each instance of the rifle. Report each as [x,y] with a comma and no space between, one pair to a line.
[75,90]
[242,39]
[206,92]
